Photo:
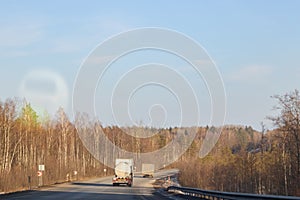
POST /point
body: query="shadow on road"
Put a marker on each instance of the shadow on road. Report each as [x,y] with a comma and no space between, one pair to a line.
[93,184]
[106,185]
[107,195]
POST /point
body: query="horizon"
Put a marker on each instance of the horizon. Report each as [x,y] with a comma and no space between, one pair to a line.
[42,116]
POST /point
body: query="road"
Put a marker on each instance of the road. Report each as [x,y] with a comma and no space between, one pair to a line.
[100,188]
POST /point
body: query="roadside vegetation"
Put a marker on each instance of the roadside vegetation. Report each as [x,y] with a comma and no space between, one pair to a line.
[27,141]
[244,160]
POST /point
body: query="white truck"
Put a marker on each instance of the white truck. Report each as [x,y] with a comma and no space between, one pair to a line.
[147,170]
[123,172]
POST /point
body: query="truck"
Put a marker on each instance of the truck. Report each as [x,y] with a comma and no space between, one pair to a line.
[123,172]
[147,170]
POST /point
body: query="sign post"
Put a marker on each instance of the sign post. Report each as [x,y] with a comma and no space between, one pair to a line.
[40,175]
[40,178]
[76,175]
[29,182]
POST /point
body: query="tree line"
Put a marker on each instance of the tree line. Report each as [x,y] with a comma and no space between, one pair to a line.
[27,141]
[243,160]
[265,162]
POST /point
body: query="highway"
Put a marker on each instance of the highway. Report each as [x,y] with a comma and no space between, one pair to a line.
[100,188]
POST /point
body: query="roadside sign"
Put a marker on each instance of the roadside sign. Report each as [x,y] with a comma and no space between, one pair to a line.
[39,173]
[41,167]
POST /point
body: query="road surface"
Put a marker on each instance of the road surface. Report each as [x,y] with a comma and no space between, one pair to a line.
[100,188]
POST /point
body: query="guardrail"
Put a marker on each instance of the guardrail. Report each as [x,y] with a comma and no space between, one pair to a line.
[209,194]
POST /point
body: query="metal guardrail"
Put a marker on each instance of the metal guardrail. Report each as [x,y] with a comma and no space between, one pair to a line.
[209,194]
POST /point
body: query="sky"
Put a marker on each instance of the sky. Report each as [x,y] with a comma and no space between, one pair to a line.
[255,46]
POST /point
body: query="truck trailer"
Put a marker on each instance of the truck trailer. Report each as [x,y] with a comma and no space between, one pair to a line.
[123,172]
[147,170]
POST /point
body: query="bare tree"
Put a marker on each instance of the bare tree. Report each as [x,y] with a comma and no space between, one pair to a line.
[287,123]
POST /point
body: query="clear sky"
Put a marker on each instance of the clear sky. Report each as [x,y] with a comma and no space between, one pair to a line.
[255,44]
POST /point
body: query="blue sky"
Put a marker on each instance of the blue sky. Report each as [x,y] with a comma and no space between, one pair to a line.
[255,44]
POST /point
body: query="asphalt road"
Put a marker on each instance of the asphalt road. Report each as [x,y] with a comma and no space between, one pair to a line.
[100,188]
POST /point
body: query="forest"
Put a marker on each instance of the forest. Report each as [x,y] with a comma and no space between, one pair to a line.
[243,160]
